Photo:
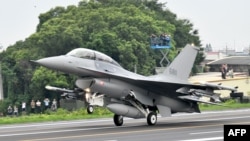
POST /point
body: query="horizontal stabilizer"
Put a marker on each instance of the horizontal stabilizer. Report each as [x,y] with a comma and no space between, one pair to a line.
[219,86]
[200,93]
[197,99]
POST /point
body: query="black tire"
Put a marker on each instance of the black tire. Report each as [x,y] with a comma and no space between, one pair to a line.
[152,118]
[118,120]
[90,109]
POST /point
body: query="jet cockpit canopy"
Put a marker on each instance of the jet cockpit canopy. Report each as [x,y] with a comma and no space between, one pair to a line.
[91,54]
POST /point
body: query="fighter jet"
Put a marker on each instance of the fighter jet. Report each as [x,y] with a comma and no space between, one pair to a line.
[128,94]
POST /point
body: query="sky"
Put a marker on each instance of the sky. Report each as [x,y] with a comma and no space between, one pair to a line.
[221,23]
[19,18]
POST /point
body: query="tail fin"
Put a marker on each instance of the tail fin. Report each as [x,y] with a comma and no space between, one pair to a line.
[181,66]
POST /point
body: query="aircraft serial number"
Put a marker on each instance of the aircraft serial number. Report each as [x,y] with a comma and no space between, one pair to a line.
[172,71]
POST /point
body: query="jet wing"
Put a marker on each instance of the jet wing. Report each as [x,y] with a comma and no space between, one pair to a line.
[144,82]
[160,85]
[184,91]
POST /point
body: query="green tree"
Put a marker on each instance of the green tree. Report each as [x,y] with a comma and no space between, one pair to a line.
[43,77]
[120,29]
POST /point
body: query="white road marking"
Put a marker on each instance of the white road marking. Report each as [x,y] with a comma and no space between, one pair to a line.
[54,123]
[205,132]
[213,112]
[215,119]
[104,120]
[49,132]
[82,122]
[205,139]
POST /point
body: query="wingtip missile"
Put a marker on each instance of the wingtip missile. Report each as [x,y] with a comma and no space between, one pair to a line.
[33,61]
[51,88]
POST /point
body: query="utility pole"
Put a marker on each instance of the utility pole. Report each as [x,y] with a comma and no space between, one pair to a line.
[135,68]
[226,49]
[1,80]
[1,48]
[1,84]
[249,50]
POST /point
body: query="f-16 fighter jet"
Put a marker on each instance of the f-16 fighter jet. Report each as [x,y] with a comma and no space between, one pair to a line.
[127,94]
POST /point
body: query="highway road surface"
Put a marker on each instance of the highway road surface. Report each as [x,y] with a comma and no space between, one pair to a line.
[206,126]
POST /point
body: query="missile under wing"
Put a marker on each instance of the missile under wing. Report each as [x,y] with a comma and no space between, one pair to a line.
[128,94]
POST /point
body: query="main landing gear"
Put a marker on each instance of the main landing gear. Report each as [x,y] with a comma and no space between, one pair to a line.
[151,119]
[151,116]
[118,120]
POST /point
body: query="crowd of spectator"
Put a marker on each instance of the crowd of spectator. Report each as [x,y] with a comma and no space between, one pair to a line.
[35,107]
[226,71]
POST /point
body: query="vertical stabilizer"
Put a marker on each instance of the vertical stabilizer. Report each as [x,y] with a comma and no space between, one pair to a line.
[181,66]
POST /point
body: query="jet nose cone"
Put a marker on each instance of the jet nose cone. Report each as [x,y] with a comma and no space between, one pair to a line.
[51,62]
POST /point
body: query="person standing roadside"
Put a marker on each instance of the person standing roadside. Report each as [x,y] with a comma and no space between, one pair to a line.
[38,106]
[23,106]
[54,105]
[46,103]
[32,106]
[223,71]
[10,110]
[15,110]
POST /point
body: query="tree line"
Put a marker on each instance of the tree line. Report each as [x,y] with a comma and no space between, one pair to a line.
[120,29]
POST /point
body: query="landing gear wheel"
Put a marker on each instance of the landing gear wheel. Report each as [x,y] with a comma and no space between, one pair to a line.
[90,109]
[118,120]
[152,118]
